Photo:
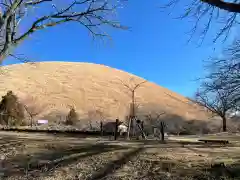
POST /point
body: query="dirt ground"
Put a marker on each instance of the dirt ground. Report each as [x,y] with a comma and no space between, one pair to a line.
[48,157]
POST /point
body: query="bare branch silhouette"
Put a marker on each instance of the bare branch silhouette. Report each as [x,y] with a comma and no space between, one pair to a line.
[94,15]
[207,12]
[32,107]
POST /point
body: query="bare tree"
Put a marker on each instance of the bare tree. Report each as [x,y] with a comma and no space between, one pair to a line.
[132,87]
[100,115]
[43,14]
[154,119]
[96,115]
[90,116]
[207,12]
[32,107]
[220,90]
[217,101]
[226,70]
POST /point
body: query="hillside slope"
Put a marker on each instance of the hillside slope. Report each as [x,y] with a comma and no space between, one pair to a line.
[91,87]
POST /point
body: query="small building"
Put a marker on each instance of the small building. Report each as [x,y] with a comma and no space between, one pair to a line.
[42,121]
[110,127]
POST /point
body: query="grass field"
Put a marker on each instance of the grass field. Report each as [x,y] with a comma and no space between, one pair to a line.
[49,157]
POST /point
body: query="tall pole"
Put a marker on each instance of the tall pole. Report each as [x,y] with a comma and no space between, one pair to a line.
[133,112]
[133,103]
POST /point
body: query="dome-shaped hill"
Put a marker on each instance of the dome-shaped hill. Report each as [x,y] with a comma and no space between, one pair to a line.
[91,87]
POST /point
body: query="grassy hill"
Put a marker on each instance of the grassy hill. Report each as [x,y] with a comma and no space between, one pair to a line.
[90,88]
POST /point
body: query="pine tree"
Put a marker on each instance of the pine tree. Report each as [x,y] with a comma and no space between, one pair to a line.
[12,112]
[162,130]
[72,117]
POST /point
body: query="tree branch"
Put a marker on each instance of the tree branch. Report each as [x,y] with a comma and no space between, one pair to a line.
[36,2]
[91,14]
[207,12]
[10,11]
[227,6]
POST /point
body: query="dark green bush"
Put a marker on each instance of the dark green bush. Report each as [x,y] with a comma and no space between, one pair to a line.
[72,117]
[12,112]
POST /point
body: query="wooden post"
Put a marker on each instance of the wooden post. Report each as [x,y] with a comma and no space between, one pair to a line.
[142,127]
[116,129]
[31,121]
[162,130]
[101,128]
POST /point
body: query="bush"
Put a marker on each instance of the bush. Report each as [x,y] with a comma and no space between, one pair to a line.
[17,122]
[72,117]
[194,127]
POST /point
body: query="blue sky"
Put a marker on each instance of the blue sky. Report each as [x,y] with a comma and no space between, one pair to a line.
[155,48]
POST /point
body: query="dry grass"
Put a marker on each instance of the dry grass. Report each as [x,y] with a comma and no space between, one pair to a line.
[44,157]
[89,87]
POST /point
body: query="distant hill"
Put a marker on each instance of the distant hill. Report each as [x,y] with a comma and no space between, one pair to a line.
[96,91]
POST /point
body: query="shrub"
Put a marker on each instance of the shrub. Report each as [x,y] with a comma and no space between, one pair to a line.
[194,127]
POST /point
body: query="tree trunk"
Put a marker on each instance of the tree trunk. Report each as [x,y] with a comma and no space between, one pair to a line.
[227,6]
[4,53]
[224,124]
[142,128]
[31,121]
[2,57]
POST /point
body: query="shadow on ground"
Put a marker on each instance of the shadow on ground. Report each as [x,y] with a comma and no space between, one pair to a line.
[50,159]
[168,169]
[43,163]
[231,171]
[114,165]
